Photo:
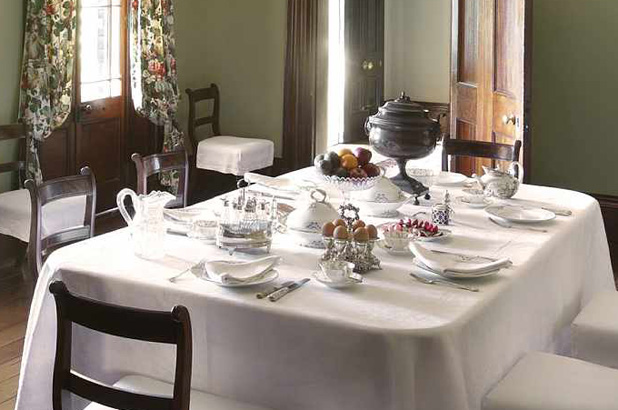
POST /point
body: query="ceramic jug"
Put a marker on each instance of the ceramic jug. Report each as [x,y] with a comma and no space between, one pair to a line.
[147,225]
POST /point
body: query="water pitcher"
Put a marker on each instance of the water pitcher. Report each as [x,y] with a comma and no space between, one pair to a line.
[147,225]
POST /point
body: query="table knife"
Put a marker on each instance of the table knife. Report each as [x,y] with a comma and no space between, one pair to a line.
[284,291]
[273,289]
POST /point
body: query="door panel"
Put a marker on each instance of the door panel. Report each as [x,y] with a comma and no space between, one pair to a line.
[364,48]
[489,78]
[101,100]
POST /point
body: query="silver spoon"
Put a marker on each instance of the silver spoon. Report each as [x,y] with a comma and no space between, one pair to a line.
[442,282]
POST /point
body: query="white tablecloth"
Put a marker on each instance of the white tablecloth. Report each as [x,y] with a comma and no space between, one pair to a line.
[390,343]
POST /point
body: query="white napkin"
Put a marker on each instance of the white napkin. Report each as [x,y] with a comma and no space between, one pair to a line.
[237,272]
[441,263]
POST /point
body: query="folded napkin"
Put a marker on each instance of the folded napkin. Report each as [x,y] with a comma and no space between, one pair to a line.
[441,263]
[238,272]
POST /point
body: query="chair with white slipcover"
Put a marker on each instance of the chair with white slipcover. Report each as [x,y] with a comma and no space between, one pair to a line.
[595,330]
[542,381]
[223,153]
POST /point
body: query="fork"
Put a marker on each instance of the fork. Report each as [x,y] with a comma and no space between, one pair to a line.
[442,282]
[174,278]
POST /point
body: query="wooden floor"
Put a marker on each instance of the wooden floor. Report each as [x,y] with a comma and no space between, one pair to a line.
[15,298]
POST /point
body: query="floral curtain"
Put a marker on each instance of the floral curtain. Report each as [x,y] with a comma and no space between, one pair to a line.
[153,70]
[47,72]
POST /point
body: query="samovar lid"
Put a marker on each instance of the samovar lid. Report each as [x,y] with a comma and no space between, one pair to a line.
[401,112]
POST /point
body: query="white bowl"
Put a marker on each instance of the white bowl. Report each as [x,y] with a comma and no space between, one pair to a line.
[383,191]
[383,209]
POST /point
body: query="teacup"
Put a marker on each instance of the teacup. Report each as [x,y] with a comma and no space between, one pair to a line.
[474,196]
[337,271]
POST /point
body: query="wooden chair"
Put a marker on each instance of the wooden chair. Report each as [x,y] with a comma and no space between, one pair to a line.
[157,163]
[478,149]
[130,392]
[43,243]
[149,326]
[14,215]
[225,154]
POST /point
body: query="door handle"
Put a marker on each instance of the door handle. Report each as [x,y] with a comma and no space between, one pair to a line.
[86,108]
[367,65]
[509,119]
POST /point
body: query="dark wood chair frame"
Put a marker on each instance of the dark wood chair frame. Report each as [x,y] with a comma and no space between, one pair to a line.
[478,149]
[195,96]
[144,325]
[71,186]
[157,163]
[15,132]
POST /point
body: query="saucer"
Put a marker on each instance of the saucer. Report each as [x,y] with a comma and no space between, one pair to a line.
[466,201]
[346,283]
[382,245]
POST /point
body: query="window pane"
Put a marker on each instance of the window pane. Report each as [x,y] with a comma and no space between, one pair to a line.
[94,41]
[115,43]
[95,91]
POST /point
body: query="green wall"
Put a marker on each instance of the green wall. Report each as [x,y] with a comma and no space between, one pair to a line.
[240,46]
[11,21]
[574,95]
[417,42]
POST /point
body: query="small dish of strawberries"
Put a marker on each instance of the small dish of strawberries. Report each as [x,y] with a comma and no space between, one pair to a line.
[423,230]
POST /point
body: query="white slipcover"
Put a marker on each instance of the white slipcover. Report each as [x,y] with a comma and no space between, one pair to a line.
[595,331]
[15,214]
[234,155]
[542,381]
[199,400]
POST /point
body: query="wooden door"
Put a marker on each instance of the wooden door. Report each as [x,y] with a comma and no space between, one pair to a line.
[100,95]
[364,49]
[490,75]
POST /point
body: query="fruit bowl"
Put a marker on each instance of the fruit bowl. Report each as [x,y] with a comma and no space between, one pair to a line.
[347,184]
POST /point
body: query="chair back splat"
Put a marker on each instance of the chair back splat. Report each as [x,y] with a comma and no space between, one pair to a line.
[199,95]
[53,190]
[157,163]
[144,325]
[15,132]
[478,149]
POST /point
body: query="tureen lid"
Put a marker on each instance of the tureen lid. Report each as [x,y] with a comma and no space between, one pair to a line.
[401,112]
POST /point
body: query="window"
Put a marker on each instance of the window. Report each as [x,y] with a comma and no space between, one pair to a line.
[100,49]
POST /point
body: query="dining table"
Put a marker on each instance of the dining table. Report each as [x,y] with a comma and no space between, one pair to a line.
[390,343]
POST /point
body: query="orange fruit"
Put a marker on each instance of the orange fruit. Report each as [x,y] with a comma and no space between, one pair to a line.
[343,152]
[349,161]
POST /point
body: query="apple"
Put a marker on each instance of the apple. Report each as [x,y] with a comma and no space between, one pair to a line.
[372,170]
[363,155]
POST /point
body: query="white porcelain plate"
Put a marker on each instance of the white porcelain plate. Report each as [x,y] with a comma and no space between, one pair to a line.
[325,280]
[520,214]
[451,178]
[268,277]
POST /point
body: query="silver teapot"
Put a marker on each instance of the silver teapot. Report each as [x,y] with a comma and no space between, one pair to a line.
[501,184]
